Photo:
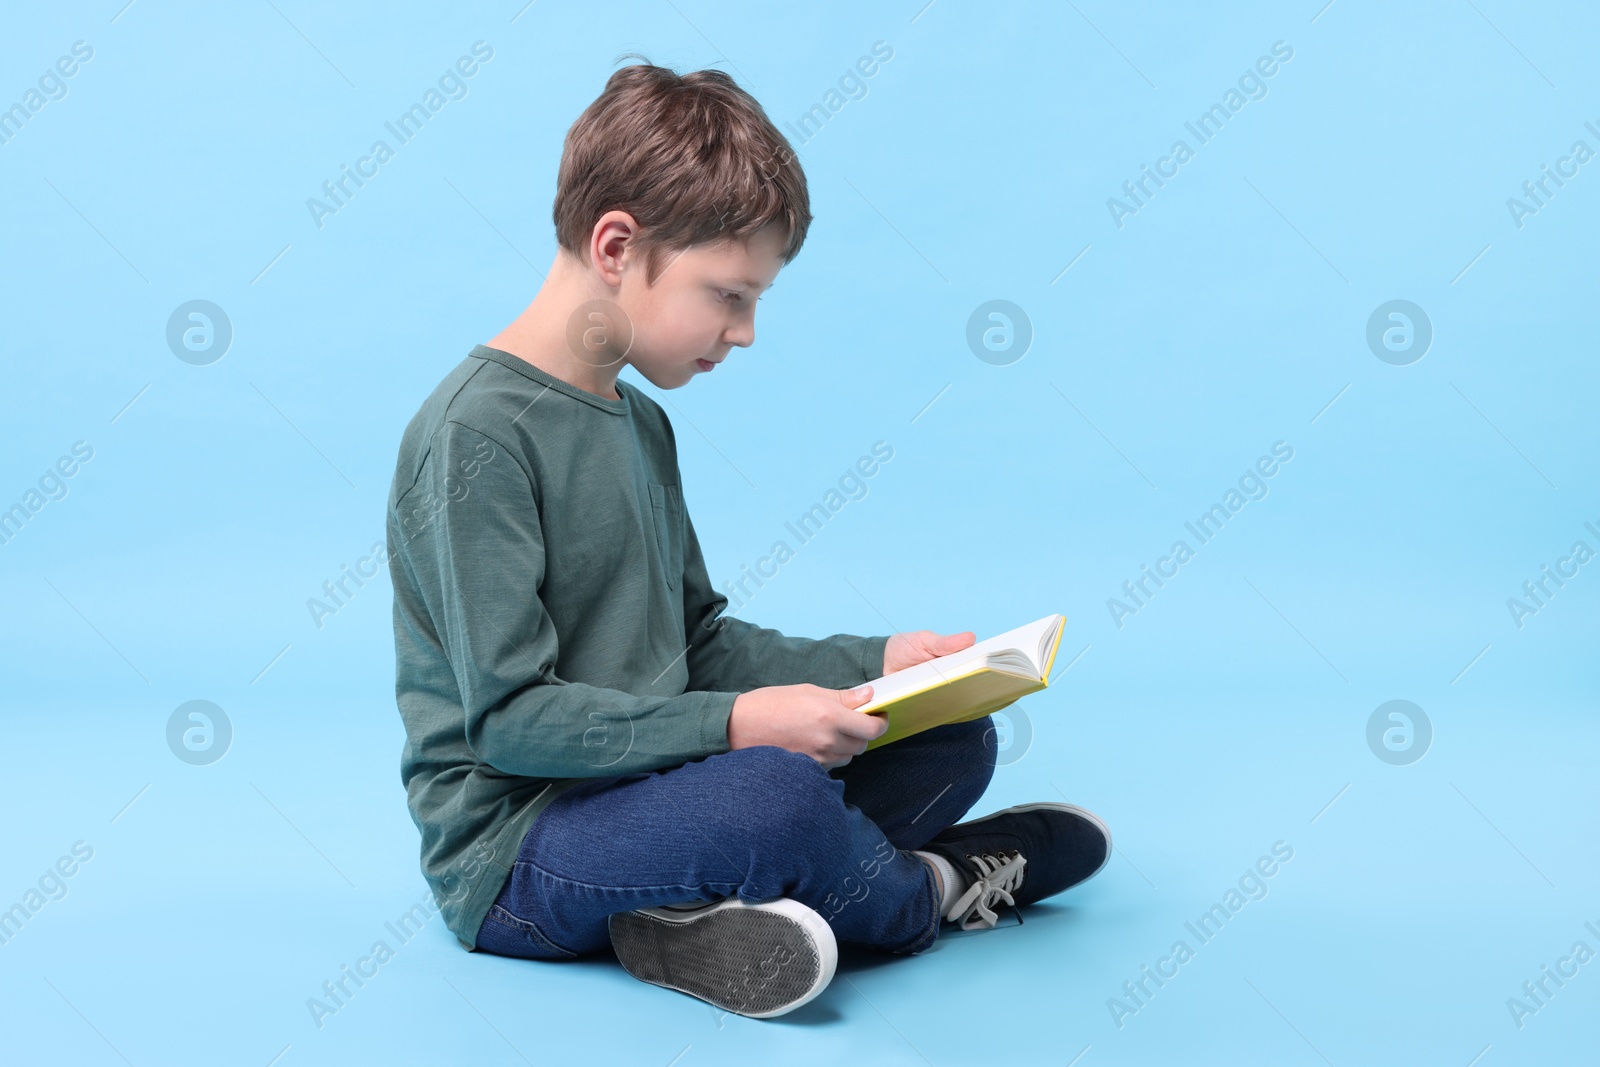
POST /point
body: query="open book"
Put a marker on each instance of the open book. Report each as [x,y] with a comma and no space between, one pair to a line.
[966,685]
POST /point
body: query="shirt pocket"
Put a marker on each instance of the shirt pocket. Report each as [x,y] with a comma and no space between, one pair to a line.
[666,508]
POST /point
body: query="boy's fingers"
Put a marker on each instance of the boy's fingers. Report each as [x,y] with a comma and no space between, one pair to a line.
[863,727]
[854,698]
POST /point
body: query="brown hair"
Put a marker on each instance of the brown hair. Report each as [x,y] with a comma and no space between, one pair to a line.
[692,157]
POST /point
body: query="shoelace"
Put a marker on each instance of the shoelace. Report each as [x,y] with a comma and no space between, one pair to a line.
[999,877]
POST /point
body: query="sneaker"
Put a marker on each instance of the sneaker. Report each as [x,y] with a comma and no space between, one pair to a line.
[1021,855]
[755,958]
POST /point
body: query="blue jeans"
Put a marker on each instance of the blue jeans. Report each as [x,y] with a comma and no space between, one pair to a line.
[759,822]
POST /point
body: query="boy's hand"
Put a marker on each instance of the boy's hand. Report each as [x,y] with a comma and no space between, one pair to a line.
[808,719]
[919,646]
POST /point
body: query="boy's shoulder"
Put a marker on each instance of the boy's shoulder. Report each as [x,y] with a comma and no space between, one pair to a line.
[469,395]
[507,402]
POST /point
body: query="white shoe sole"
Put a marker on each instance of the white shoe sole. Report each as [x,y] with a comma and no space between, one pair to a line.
[760,959]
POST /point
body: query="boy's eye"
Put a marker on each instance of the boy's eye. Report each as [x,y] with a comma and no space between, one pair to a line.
[730,296]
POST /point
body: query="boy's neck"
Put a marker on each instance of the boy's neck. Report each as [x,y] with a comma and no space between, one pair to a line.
[539,334]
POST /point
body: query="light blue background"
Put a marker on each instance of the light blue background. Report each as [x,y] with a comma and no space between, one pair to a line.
[1228,314]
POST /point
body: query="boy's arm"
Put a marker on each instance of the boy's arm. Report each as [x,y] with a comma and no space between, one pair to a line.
[469,540]
[729,654]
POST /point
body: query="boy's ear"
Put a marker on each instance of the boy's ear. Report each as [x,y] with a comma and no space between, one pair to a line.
[614,245]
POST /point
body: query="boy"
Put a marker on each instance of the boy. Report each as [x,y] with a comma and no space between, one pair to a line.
[595,754]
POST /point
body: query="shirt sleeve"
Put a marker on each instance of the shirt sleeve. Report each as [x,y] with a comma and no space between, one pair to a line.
[470,536]
[727,653]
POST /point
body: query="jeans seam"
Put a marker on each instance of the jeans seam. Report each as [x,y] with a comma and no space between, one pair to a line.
[616,888]
[538,934]
[533,932]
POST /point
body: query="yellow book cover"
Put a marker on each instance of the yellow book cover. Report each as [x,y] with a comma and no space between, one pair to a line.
[965,685]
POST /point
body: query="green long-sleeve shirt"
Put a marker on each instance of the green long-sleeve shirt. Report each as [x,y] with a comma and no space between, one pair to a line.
[553,620]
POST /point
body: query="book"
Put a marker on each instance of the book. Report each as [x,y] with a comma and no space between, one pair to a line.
[966,685]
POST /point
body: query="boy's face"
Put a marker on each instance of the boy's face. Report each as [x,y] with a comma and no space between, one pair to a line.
[702,305]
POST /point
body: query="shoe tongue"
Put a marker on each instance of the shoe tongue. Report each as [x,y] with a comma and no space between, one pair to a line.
[1001,856]
[1001,861]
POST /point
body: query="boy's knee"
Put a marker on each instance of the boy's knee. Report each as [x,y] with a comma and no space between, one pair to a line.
[972,744]
[988,739]
[980,753]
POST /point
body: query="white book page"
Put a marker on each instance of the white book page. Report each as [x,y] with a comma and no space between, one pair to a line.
[1031,642]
